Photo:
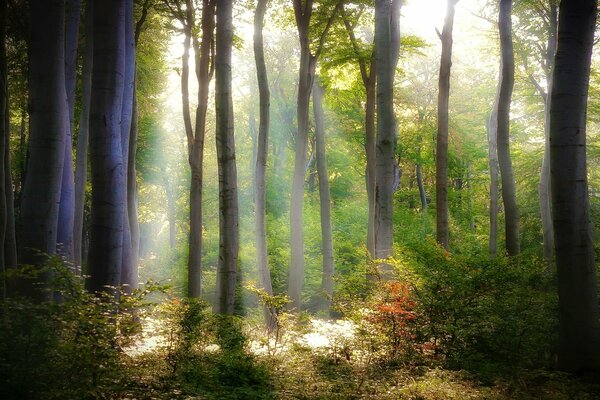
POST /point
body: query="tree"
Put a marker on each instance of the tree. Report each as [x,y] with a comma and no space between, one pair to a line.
[195,135]
[303,12]
[48,120]
[441,162]
[4,132]
[507,79]
[228,200]
[367,74]
[262,147]
[492,137]
[324,198]
[128,269]
[386,57]
[66,212]
[106,157]
[81,152]
[579,327]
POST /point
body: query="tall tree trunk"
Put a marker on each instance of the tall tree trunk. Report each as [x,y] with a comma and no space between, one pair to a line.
[10,239]
[195,135]
[228,200]
[368,78]
[324,199]
[4,133]
[492,127]
[260,203]
[579,327]
[129,276]
[66,212]
[48,119]
[385,147]
[83,137]
[544,190]
[507,79]
[108,180]
[441,162]
[305,78]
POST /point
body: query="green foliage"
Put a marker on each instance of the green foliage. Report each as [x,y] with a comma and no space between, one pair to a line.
[70,348]
[207,354]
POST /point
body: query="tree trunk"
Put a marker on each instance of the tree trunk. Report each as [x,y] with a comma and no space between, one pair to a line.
[108,180]
[260,203]
[48,119]
[129,278]
[492,127]
[441,162]
[66,212]
[83,137]
[4,134]
[10,239]
[422,194]
[132,201]
[195,136]
[545,200]
[370,147]
[228,201]
[305,79]
[507,79]
[579,328]
[324,199]
[170,208]
[385,148]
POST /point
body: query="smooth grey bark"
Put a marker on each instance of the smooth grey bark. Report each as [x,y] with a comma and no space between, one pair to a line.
[507,79]
[441,161]
[81,152]
[260,167]
[66,213]
[324,199]
[367,73]
[47,118]
[579,326]
[106,158]
[228,200]
[491,127]
[544,189]
[129,273]
[308,61]
[385,145]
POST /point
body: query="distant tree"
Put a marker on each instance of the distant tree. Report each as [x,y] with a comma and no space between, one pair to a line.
[309,55]
[324,198]
[507,79]
[441,162]
[81,160]
[579,325]
[106,157]
[228,195]
[367,74]
[260,167]
[66,212]
[204,67]
[48,119]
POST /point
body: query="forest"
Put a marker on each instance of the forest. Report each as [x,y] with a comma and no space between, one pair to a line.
[299,199]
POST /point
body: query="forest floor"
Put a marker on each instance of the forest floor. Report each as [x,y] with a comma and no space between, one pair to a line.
[319,362]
